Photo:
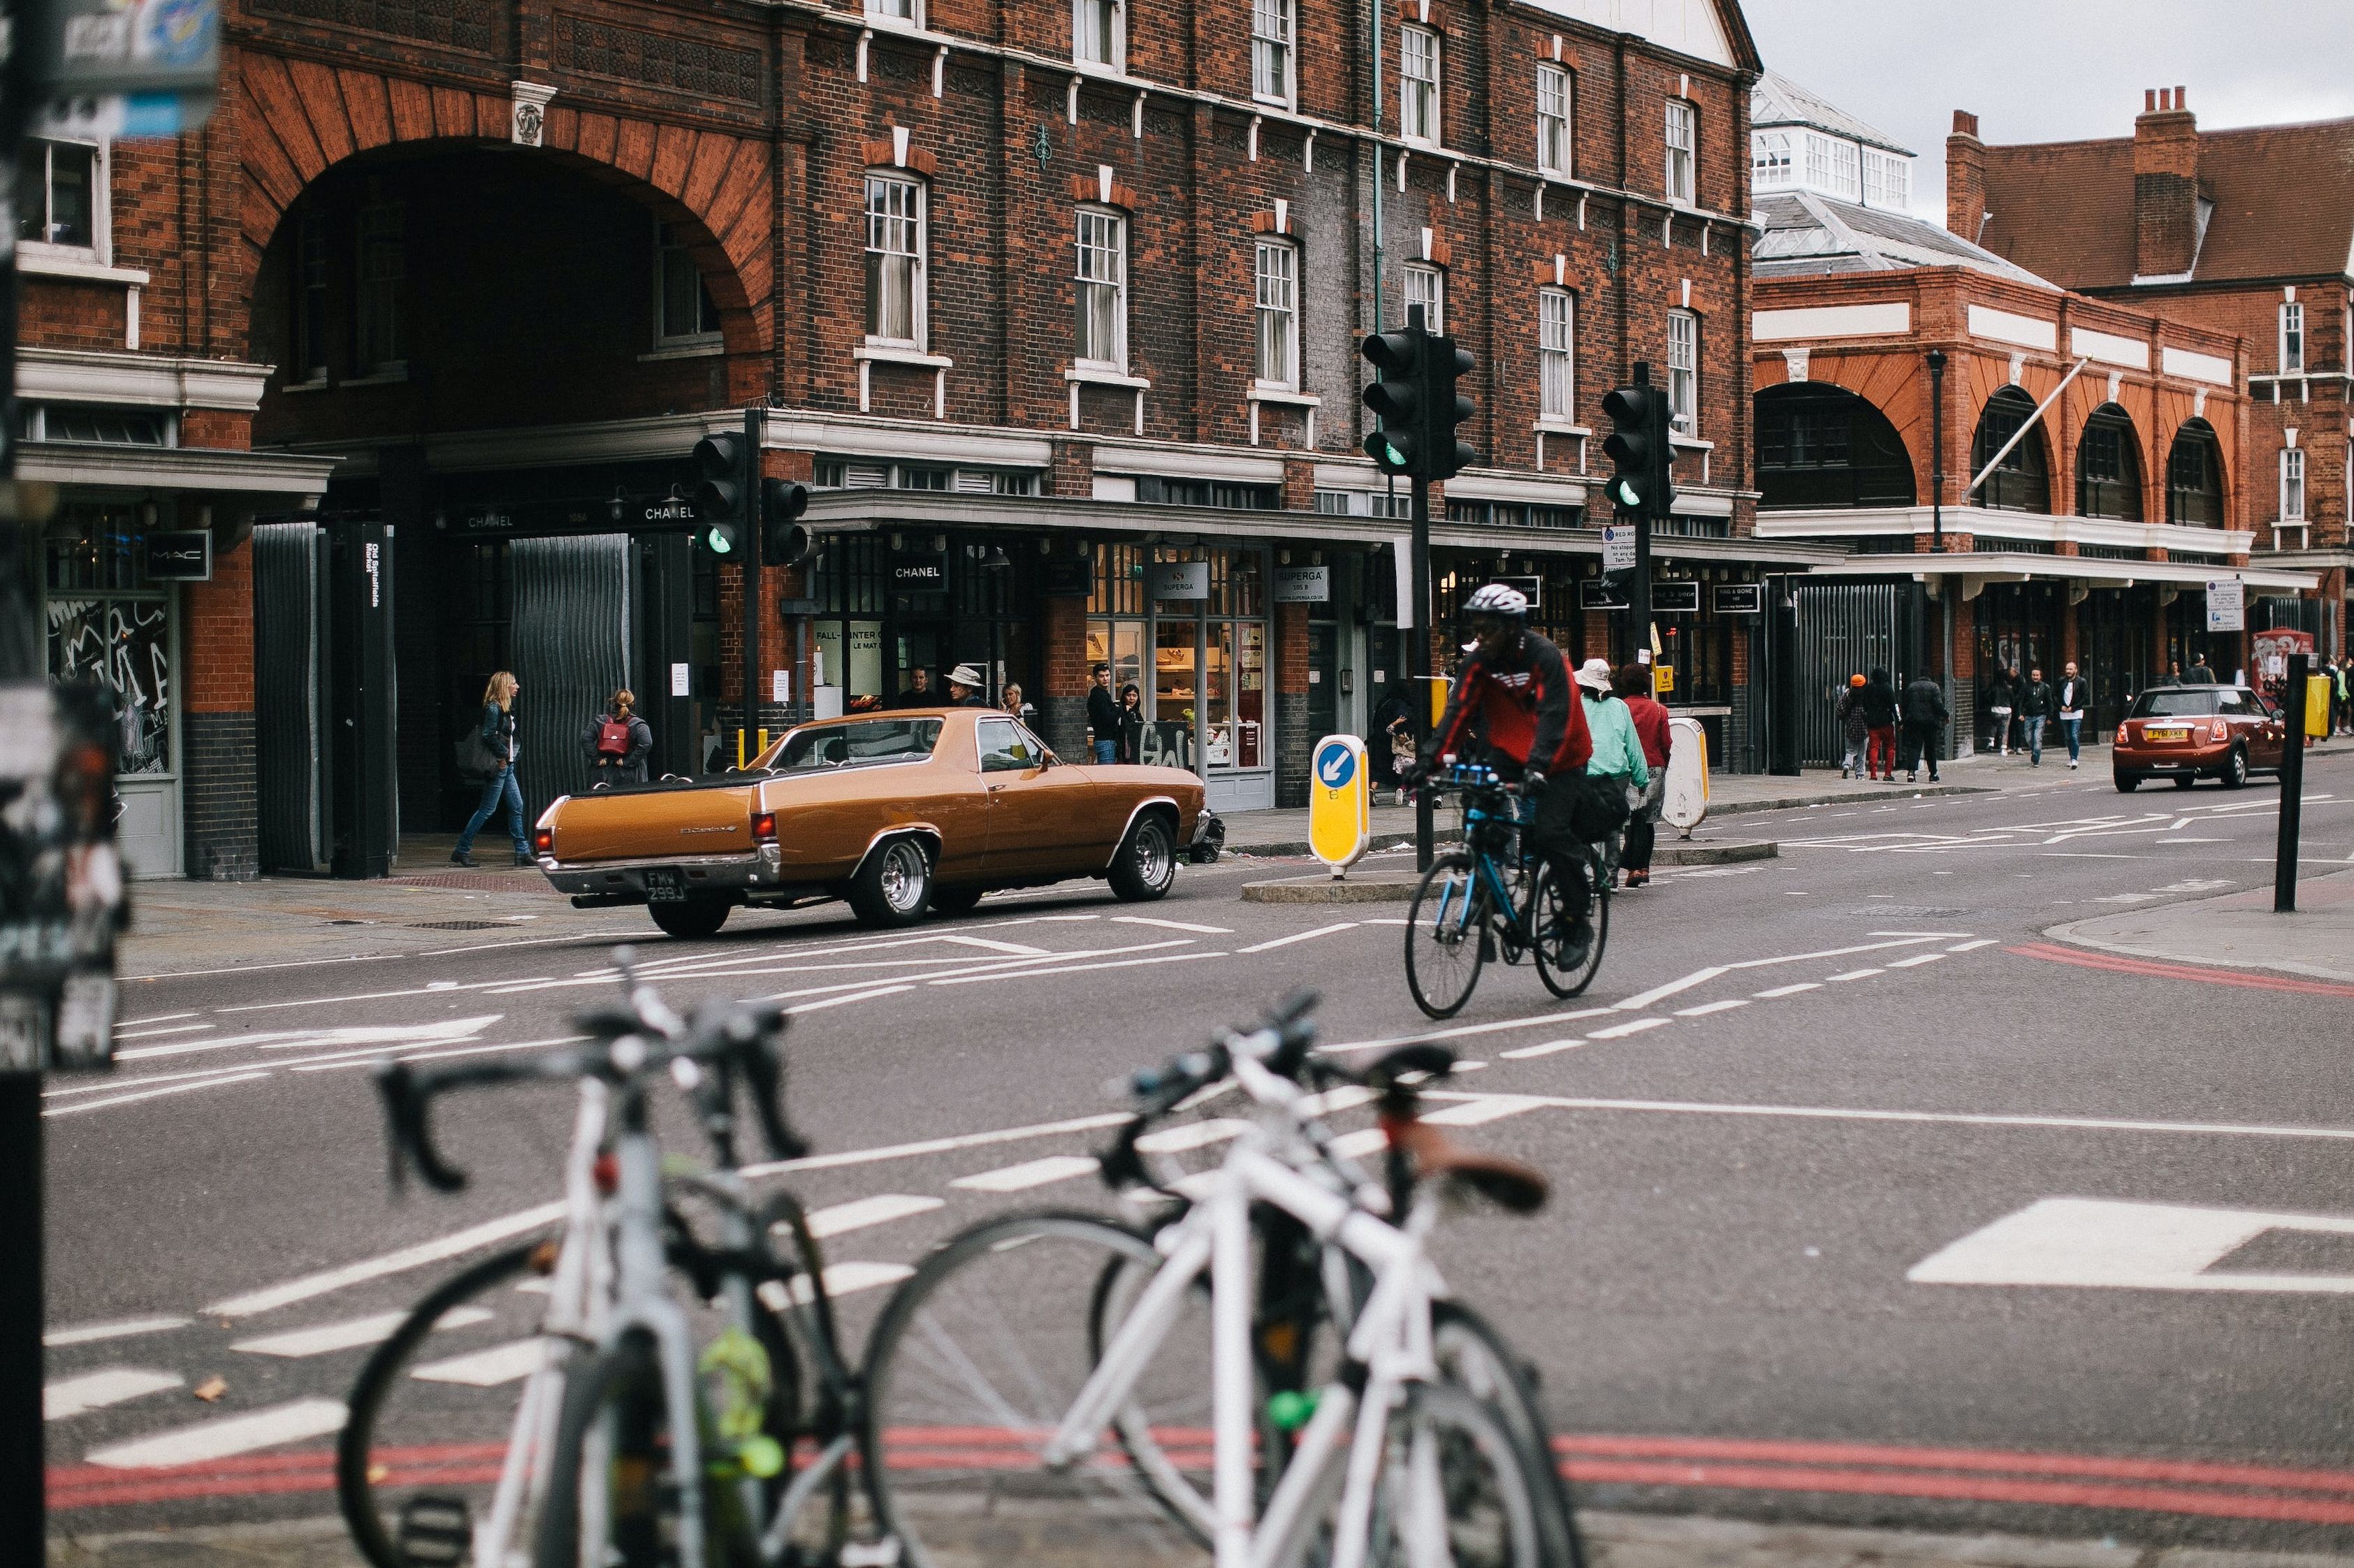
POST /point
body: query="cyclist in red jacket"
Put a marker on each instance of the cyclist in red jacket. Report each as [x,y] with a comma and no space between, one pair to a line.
[1516,694]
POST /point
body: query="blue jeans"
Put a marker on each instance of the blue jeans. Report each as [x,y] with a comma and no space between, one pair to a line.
[1107,750]
[2031,731]
[2074,728]
[500,786]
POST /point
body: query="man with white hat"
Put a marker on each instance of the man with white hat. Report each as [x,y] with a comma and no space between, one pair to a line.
[1515,691]
[964,687]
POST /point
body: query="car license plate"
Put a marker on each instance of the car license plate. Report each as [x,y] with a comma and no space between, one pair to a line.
[2170,732]
[665,885]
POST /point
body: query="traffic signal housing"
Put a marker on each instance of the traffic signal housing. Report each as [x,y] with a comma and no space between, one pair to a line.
[1643,459]
[1446,408]
[784,541]
[723,494]
[1396,399]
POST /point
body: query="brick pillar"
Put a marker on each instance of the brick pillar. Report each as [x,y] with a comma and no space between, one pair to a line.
[2071,635]
[1063,657]
[1074,471]
[219,789]
[1298,484]
[1292,740]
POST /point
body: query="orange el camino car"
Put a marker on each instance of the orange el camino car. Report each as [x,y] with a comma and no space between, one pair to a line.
[897,813]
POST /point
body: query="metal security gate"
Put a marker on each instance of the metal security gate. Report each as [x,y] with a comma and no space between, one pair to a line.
[290,627]
[1846,628]
[570,637]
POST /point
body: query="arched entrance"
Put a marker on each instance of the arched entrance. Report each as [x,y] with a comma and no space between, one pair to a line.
[1823,446]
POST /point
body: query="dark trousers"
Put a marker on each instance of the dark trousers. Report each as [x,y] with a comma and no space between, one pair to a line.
[1920,742]
[1553,835]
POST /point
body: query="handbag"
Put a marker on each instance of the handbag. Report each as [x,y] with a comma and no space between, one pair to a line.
[1601,809]
[476,761]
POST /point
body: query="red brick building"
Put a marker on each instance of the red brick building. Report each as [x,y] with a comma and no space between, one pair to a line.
[2248,233]
[1053,303]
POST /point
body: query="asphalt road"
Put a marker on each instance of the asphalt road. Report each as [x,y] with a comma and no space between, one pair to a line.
[1829,1152]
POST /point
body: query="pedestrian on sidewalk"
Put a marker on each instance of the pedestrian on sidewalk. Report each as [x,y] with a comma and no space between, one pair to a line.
[919,694]
[1131,725]
[1658,737]
[964,687]
[2341,702]
[1103,715]
[2073,689]
[2201,672]
[1618,760]
[1925,722]
[1880,713]
[1393,743]
[2034,707]
[1016,708]
[1855,730]
[2001,698]
[501,753]
[617,742]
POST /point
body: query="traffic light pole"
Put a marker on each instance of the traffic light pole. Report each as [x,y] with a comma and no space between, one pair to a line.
[753,431]
[1418,669]
[1640,599]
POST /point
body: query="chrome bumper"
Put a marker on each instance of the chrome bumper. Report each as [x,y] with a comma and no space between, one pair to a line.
[625,881]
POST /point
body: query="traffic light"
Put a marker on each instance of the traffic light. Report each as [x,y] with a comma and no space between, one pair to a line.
[723,492]
[1445,407]
[1396,398]
[784,542]
[1644,460]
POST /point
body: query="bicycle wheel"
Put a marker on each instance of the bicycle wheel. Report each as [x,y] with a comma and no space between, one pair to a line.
[1446,937]
[1473,1356]
[1456,1488]
[464,1392]
[1562,978]
[974,1362]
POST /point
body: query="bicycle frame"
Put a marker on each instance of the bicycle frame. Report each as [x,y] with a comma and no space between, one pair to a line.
[1391,1339]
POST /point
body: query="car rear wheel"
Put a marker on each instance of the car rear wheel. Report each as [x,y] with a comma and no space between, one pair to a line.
[2235,768]
[952,902]
[894,885]
[1146,864]
[691,917]
[2127,782]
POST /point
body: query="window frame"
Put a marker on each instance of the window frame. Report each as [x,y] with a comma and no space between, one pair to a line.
[1287,14]
[376,301]
[1556,362]
[887,12]
[666,246]
[1261,310]
[1562,126]
[1688,151]
[1425,89]
[1684,380]
[101,249]
[919,271]
[1115,42]
[1433,305]
[1082,284]
[307,333]
[2291,338]
[2292,483]
[1895,181]
[1773,163]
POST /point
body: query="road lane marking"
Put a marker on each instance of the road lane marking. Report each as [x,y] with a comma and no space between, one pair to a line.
[321,1338]
[1789,989]
[1028,1174]
[1527,1053]
[1974,946]
[116,1329]
[227,1434]
[271,1298]
[2097,1243]
[121,1032]
[441,1030]
[948,1145]
[1191,1135]
[1484,1110]
[1007,965]
[1073,969]
[151,1093]
[489,1368]
[1705,1007]
[96,1390]
[290,964]
[845,1000]
[1851,975]
[1633,1026]
[2051,953]
[1298,937]
[1173,925]
[1460,1030]
[159,1018]
[368,1057]
[1645,999]
[841,1279]
[988,944]
[861,1213]
[1916,960]
[1933,1119]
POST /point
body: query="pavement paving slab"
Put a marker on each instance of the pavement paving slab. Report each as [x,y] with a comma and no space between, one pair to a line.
[2238,930]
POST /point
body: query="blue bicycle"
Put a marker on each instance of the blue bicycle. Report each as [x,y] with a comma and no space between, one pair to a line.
[1495,898]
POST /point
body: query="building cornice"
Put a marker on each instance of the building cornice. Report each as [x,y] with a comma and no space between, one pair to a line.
[138,380]
[217,469]
[1841,523]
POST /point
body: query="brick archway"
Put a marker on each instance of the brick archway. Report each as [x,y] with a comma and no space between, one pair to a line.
[300,117]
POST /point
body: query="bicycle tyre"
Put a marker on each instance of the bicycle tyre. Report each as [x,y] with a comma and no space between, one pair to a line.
[1573,980]
[363,1477]
[940,1430]
[1475,1356]
[1443,960]
[1487,1485]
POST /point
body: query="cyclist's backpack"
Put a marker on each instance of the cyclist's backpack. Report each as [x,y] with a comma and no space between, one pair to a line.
[613,738]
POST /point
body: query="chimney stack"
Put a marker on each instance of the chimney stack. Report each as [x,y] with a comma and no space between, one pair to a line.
[2165,186]
[1966,211]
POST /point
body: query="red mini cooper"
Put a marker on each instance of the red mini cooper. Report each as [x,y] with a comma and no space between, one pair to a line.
[2185,733]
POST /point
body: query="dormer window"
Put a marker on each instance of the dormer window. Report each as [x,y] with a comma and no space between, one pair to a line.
[1769,161]
[1887,180]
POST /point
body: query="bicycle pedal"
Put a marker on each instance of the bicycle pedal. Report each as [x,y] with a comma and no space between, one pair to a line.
[883,1554]
[435,1531]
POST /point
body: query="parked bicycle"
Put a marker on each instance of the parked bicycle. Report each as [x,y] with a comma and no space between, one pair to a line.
[1496,898]
[1059,1387]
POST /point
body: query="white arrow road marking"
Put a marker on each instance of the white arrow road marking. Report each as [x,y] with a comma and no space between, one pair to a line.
[2103,1243]
[121,1032]
[1073,969]
[96,1390]
[119,1328]
[1299,936]
[151,1093]
[1028,1174]
[217,1439]
[1173,925]
[446,1030]
[839,1219]
[322,1337]
[486,1369]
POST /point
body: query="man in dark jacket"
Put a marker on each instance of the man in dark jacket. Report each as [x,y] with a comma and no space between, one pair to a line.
[1103,715]
[1880,715]
[919,693]
[2201,675]
[2034,707]
[2074,690]
[1924,717]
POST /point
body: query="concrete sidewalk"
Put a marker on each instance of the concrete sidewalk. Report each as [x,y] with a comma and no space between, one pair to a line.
[2238,930]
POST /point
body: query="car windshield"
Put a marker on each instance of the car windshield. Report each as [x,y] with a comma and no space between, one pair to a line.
[860,745]
[2172,703]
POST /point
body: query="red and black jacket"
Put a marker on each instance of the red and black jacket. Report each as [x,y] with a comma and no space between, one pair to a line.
[1525,705]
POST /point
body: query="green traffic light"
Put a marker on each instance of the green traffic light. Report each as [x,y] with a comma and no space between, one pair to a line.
[1623,495]
[716,541]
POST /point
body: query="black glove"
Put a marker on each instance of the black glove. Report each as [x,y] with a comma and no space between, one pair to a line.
[1533,781]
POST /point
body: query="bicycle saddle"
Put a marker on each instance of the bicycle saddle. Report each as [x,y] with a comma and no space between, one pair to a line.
[1508,1184]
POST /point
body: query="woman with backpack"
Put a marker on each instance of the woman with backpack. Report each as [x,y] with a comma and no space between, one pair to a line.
[495,753]
[617,743]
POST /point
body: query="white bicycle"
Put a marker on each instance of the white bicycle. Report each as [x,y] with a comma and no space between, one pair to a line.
[1055,1387]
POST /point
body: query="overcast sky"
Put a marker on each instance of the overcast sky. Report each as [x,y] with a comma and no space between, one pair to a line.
[2057,70]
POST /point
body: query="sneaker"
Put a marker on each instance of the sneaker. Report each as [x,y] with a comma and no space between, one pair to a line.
[1932,776]
[526,860]
[459,857]
[1846,772]
[1913,776]
[2072,762]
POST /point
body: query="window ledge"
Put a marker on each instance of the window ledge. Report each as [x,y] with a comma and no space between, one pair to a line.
[41,261]
[1273,102]
[1421,143]
[320,385]
[901,353]
[1101,71]
[1104,375]
[685,351]
[905,26]
[1691,443]
[381,379]
[1284,395]
[1561,427]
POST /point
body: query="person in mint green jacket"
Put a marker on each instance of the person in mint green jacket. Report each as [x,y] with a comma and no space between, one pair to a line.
[1618,760]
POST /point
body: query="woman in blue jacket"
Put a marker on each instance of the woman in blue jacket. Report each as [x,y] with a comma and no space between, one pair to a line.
[498,738]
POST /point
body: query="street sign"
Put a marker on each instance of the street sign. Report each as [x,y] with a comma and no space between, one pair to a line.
[1340,802]
[1617,548]
[2226,604]
[1602,593]
[1684,802]
[1303,585]
[1738,599]
[1672,597]
[1179,580]
[181,556]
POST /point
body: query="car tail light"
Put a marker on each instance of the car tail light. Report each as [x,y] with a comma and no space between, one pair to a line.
[764,827]
[544,840]
[2219,731]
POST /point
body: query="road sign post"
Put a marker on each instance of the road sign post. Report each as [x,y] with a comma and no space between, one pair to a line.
[1340,803]
[2291,786]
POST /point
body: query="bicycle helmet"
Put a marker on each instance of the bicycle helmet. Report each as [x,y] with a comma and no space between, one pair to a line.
[1496,598]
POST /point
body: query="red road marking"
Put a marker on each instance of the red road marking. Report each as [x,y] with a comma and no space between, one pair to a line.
[2195,1471]
[2124,965]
